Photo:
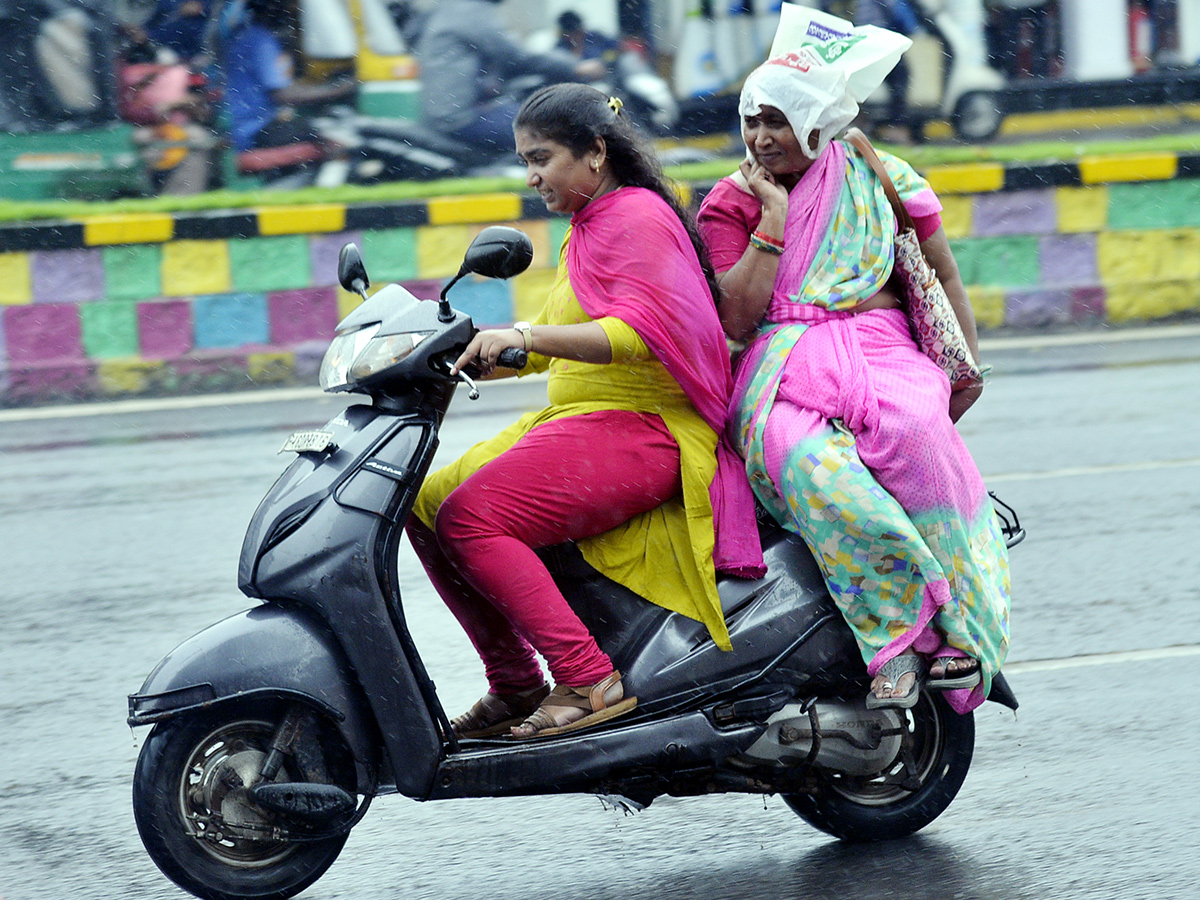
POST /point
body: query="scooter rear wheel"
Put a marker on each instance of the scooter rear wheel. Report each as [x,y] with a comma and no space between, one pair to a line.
[198,824]
[882,808]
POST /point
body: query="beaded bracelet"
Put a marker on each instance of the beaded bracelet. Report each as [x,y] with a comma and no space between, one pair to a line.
[766,243]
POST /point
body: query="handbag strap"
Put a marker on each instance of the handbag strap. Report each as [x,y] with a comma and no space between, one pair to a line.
[859,140]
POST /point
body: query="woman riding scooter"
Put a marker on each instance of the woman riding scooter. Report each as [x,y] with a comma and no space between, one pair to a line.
[625,460]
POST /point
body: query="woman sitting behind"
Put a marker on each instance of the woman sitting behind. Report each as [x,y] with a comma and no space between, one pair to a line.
[625,459]
[845,425]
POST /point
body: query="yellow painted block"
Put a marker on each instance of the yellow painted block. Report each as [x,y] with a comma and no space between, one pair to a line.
[539,235]
[128,376]
[1128,167]
[1082,210]
[988,304]
[1152,255]
[1152,300]
[190,268]
[965,179]
[1130,256]
[269,367]
[16,280]
[135,228]
[1178,251]
[957,216]
[530,292]
[440,249]
[301,219]
[474,208]
[348,301]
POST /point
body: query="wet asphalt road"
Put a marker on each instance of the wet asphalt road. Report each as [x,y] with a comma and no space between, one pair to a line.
[120,528]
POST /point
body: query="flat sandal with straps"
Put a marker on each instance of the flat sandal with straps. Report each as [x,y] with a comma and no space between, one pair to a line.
[497,713]
[569,708]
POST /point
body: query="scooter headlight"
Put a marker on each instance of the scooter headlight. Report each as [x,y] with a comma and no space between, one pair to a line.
[357,355]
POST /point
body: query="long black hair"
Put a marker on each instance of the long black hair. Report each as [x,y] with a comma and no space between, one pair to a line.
[574,115]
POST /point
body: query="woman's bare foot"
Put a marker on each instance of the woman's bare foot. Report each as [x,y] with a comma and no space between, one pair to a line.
[897,682]
[953,673]
[953,666]
[885,690]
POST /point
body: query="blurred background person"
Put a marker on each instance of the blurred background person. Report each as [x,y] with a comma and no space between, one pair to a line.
[1022,37]
[180,26]
[466,57]
[583,43]
[903,17]
[261,92]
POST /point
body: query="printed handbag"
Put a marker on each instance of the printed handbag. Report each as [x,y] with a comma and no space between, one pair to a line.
[931,316]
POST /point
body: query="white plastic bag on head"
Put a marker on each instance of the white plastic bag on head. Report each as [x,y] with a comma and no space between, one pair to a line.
[819,69]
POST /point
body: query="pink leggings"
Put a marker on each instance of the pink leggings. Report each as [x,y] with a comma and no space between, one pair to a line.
[567,479]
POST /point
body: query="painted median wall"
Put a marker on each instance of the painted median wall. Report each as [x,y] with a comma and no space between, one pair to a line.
[107,307]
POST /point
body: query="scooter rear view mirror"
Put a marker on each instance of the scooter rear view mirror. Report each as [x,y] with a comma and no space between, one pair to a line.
[352,271]
[497,252]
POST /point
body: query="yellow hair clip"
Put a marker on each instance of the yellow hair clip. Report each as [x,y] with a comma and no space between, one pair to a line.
[615,104]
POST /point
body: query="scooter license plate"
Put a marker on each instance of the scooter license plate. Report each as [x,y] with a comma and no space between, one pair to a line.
[308,442]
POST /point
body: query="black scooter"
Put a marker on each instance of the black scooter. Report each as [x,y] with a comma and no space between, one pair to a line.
[275,728]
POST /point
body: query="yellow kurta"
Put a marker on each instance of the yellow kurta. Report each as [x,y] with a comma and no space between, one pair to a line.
[664,555]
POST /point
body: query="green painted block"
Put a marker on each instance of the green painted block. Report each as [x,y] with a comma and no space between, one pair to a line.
[557,226]
[391,254]
[109,329]
[998,261]
[270,263]
[1155,204]
[133,272]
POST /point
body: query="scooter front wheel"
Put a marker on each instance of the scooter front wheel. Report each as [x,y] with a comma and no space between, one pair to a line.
[912,793]
[200,826]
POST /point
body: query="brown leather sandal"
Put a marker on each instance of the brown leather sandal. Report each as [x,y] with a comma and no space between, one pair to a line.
[497,713]
[568,708]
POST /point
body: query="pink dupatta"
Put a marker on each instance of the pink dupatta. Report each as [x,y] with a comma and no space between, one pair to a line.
[630,257]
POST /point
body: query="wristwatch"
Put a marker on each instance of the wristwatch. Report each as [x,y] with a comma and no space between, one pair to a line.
[526,332]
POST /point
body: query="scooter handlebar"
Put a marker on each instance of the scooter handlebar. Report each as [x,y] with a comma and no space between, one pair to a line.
[512,358]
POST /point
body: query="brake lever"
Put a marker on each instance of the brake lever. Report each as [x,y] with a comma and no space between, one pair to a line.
[474,392]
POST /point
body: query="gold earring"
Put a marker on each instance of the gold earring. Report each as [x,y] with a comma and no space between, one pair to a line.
[595,165]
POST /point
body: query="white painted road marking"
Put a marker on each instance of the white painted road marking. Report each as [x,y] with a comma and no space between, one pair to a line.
[1101,659]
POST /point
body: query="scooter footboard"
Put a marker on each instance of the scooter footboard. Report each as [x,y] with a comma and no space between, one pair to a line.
[584,762]
[263,654]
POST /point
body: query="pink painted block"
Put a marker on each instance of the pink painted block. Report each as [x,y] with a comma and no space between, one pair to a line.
[67,276]
[1088,303]
[51,379]
[323,251]
[201,364]
[302,315]
[164,328]
[3,361]
[43,331]
[428,289]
